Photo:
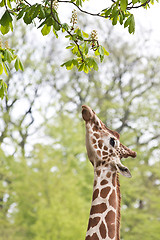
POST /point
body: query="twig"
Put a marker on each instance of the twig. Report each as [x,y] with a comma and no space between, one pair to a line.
[28,3]
[142,5]
[80,9]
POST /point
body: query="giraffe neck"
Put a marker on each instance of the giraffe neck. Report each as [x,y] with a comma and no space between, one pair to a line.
[104,221]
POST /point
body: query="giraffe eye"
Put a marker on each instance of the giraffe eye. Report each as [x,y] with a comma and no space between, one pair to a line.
[112,142]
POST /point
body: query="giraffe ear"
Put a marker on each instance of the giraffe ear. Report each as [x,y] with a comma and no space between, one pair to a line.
[123,170]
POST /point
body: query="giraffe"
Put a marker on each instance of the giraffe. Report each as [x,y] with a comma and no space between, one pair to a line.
[104,152]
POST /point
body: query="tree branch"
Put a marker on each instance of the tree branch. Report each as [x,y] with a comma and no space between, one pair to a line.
[81,10]
[142,5]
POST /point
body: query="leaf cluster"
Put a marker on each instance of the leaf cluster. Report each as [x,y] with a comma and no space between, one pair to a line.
[6,57]
[118,13]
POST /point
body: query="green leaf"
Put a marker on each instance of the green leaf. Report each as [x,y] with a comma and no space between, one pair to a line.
[79,34]
[2,3]
[55,33]
[18,65]
[1,69]
[114,21]
[27,18]
[121,18]
[4,29]
[45,30]
[84,47]
[6,19]
[3,89]
[70,46]
[6,22]
[69,64]
[131,28]
[95,65]
[65,27]
[35,11]
[123,4]
[127,22]
[86,69]
[100,50]
[75,62]
[42,12]
[135,1]
[20,15]
[107,13]
[101,53]
[114,10]
[86,35]
[75,49]
[81,67]
[8,56]
[6,68]
[105,52]
[9,4]
[21,65]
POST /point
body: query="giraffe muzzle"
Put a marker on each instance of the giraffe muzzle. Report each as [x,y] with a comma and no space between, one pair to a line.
[87,113]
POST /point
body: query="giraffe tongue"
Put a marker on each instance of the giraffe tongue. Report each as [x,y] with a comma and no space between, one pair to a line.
[123,170]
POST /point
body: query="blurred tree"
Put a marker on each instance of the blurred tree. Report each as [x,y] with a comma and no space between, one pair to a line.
[20,118]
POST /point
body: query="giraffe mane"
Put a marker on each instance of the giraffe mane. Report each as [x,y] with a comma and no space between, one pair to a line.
[119,208]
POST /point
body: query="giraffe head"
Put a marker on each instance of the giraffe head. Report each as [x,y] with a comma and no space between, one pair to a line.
[103,145]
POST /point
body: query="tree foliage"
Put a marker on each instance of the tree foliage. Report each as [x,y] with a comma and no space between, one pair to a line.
[85,47]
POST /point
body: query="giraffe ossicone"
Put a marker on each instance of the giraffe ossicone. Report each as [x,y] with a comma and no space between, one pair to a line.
[105,153]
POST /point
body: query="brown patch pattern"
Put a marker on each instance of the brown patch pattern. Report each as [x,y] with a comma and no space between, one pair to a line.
[93,140]
[98,163]
[103,182]
[100,143]
[108,174]
[105,157]
[112,199]
[93,237]
[96,135]
[99,153]
[114,179]
[110,220]
[102,230]
[104,153]
[95,194]
[93,222]
[105,148]
[95,128]
[104,192]
[98,172]
[95,183]
[99,208]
